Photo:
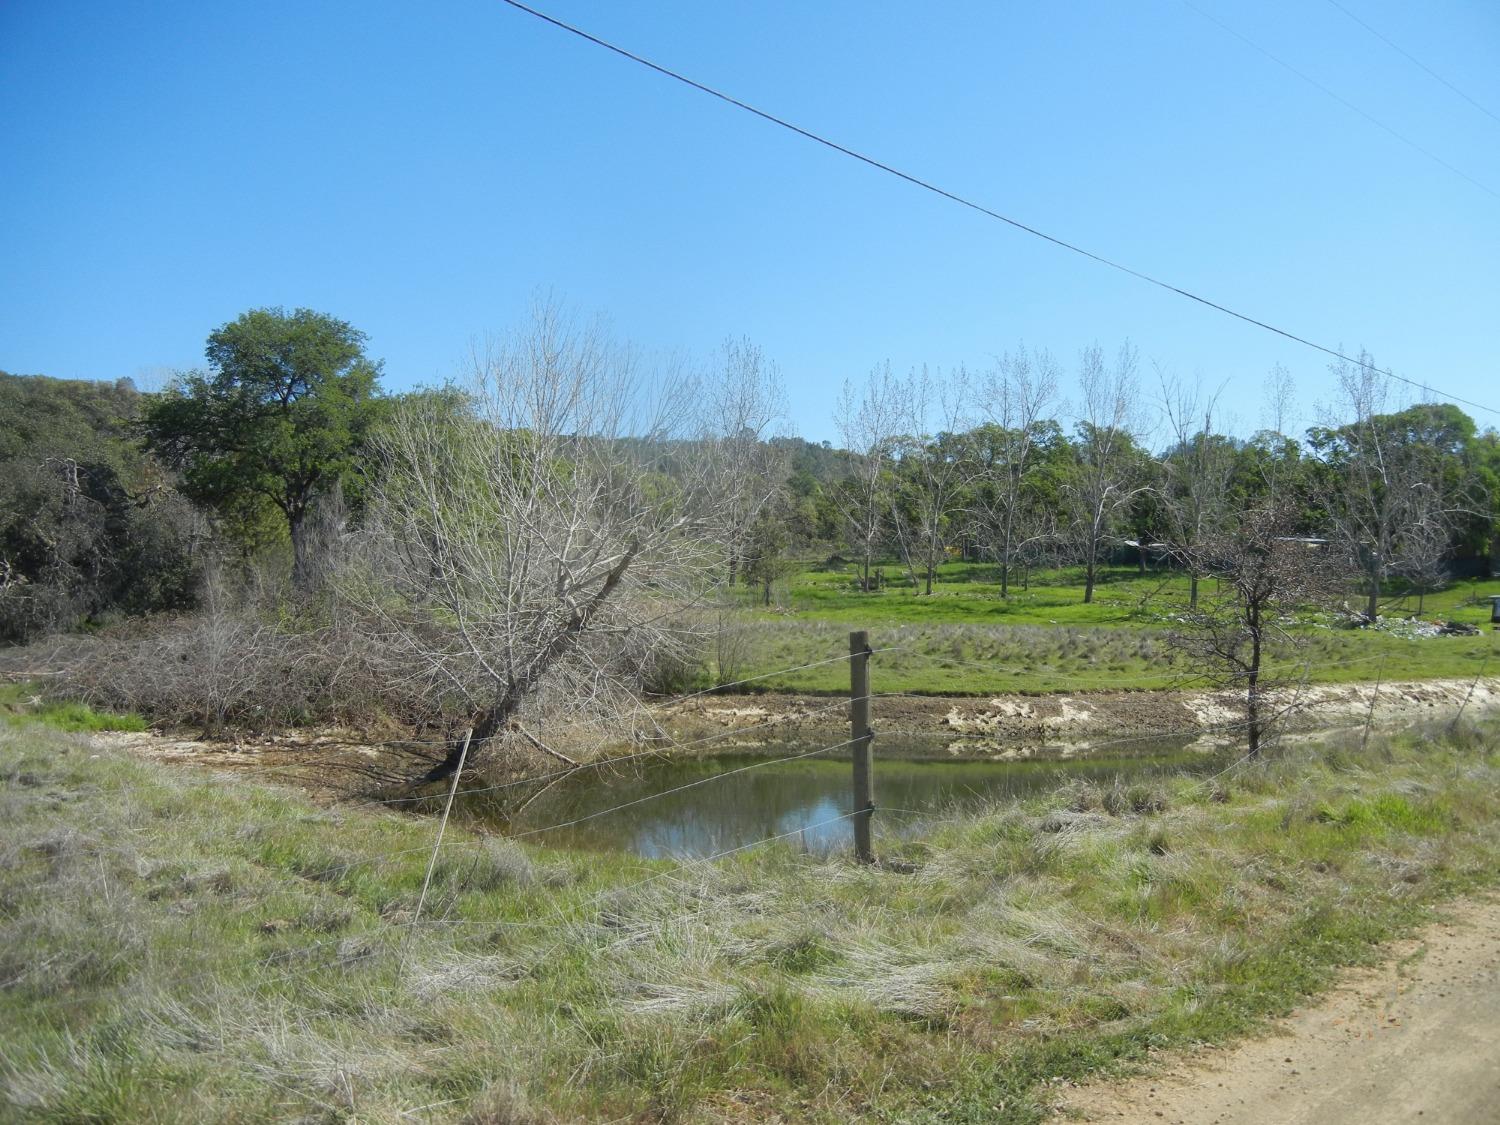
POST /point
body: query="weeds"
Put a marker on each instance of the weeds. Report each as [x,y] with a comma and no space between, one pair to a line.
[27,703]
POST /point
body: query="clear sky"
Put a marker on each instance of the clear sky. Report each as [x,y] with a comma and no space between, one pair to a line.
[422,170]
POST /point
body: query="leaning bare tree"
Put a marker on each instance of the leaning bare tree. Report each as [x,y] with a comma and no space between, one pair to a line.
[543,534]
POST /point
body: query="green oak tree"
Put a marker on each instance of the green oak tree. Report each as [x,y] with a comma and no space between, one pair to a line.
[279,420]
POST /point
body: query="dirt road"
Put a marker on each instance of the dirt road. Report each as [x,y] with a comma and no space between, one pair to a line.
[1417,1039]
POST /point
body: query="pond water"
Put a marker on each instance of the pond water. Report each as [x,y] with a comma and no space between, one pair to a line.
[731,800]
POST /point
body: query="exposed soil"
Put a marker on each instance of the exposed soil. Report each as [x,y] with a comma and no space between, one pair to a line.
[1412,1040]
[1014,726]
[335,763]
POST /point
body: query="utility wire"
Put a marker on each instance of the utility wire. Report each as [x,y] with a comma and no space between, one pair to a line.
[963,201]
[1343,101]
[1409,57]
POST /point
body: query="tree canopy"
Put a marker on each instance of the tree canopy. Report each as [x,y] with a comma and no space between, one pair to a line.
[280,419]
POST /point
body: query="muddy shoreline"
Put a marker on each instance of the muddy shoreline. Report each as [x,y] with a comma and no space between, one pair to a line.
[1002,728]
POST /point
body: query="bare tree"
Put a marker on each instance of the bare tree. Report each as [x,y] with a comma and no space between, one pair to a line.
[868,421]
[1422,555]
[933,469]
[1016,398]
[1265,574]
[1198,470]
[545,532]
[744,402]
[1105,479]
[1382,483]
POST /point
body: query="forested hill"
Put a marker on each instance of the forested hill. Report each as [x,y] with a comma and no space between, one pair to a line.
[39,413]
[88,524]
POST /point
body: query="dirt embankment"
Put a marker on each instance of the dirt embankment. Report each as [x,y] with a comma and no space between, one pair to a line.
[1021,726]
[1412,1040]
[335,763]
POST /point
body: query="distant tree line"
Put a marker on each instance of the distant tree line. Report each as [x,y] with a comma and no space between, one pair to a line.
[984,467]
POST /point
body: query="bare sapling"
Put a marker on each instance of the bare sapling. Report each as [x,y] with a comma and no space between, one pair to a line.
[1266,575]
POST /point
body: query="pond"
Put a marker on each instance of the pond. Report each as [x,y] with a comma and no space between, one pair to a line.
[733,800]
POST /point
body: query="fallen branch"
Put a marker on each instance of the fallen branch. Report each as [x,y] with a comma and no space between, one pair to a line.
[545,749]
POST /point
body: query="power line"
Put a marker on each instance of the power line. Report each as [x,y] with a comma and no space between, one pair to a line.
[1343,101]
[1409,57]
[954,197]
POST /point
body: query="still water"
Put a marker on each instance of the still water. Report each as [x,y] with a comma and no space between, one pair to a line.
[721,804]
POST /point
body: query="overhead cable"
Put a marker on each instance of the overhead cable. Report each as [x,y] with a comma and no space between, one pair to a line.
[963,201]
[1343,101]
[1409,57]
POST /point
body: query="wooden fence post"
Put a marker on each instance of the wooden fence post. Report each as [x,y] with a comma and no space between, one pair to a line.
[860,738]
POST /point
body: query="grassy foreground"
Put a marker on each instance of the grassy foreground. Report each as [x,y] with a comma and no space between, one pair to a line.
[178,946]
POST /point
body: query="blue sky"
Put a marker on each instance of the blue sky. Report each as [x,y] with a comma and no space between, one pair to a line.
[423,170]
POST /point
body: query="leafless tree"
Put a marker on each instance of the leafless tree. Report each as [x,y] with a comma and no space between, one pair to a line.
[745,401]
[1016,399]
[1264,575]
[1422,555]
[868,421]
[1381,485]
[934,467]
[1197,472]
[1106,477]
[543,531]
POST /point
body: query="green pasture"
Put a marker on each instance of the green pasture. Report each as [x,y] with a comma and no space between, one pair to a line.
[965,639]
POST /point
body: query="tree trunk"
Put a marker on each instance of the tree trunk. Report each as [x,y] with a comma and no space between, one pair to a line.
[1088,579]
[767,589]
[302,560]
[1005,556]
[1372,610]
[1252,688]
[1192,591]
[493,719]
[1252,716]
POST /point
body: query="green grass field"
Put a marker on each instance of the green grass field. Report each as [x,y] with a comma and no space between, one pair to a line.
[965,640]
[178,946]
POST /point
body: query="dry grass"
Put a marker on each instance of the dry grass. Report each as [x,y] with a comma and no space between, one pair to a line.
[175,946]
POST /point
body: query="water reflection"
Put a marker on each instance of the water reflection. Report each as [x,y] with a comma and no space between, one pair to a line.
[728,806]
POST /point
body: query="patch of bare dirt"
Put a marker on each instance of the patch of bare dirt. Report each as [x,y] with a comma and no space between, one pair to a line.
[328,764]
[1412,1040]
